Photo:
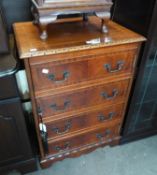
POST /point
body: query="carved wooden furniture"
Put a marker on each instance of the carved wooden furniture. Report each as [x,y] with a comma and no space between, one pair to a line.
[79,91]
[47,11]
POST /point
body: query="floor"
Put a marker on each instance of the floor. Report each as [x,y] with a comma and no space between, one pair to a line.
[136,158]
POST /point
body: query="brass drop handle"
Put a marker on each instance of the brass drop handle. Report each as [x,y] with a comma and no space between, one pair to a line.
[119,67]
[102,117]
[108,97]
[60,108]
[62,148]
[66,128]
[102,135]
[53,78]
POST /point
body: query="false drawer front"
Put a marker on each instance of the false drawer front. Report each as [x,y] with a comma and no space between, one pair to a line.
[107,94]
[103,134]
[71,124]
[56,74]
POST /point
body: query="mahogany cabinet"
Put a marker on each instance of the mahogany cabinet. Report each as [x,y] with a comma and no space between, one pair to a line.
[79,90]
[141,116]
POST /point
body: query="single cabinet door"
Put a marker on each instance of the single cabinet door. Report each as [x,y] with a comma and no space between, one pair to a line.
[14,143]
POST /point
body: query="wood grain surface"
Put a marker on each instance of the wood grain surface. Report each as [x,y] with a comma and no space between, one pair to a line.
[68,37]
[79,91]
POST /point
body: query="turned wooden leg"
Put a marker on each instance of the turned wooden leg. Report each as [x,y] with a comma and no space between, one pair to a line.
[105,16]
[35,15]
[43,23]
[85,17]
[43,30]
[104,26]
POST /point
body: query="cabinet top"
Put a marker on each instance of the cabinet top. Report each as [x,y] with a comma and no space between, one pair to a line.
[69,37]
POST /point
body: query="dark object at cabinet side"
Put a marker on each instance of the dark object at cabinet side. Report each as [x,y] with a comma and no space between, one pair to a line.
[141,120]
[15,147]
[8,87]
[4,46]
